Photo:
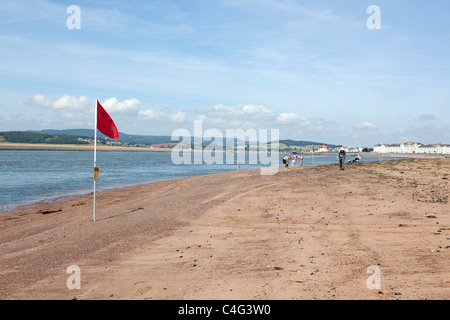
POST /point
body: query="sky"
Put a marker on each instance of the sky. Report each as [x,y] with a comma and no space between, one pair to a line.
[313,69]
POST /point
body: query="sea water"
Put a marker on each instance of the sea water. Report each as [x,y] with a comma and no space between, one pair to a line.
[30,176]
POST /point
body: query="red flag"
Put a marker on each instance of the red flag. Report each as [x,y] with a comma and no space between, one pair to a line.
[105,124]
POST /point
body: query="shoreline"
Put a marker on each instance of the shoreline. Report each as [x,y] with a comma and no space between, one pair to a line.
[77,192]
[71,147]
[74,147]
[239,235]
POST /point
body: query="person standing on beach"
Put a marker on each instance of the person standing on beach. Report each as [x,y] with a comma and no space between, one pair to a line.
[286,161]
[341,157]
[301,159]
[294,159]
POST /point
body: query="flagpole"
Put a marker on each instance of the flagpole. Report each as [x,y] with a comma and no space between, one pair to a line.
[105,125]
[95,151]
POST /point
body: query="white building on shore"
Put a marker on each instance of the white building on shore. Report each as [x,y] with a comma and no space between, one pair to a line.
[412,147]
[353,149]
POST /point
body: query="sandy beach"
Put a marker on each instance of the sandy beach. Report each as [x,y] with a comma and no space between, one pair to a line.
[305,233]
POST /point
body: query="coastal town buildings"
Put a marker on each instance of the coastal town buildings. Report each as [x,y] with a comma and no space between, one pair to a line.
[323,148]
[413,147]
[351,149]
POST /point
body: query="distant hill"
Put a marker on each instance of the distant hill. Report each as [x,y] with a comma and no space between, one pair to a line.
[85,136]
[32,137]
[124,137]
[293,143]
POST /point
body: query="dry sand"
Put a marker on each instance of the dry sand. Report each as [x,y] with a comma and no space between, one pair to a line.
[305,233]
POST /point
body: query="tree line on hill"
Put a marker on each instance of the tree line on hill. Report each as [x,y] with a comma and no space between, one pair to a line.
[36,138]
[86,136]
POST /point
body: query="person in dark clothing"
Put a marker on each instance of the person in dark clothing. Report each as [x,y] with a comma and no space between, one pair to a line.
[341,157]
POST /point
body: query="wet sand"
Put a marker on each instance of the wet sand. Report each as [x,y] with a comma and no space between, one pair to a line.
[305,233]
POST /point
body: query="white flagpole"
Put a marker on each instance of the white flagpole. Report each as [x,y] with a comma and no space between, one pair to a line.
[95,151]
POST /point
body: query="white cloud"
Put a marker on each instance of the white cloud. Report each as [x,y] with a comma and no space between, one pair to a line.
[366,125]
[41,101]
[66,102]
[71,103]
[254,109]
[149,114]
[178,117]
[286,118]
[78,112]
[291,125]
[162,115]
[243,116]
[126,106]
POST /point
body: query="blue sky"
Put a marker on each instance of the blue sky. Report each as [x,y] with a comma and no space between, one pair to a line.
[311,69]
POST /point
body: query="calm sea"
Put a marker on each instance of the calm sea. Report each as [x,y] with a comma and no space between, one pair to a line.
[37,176]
